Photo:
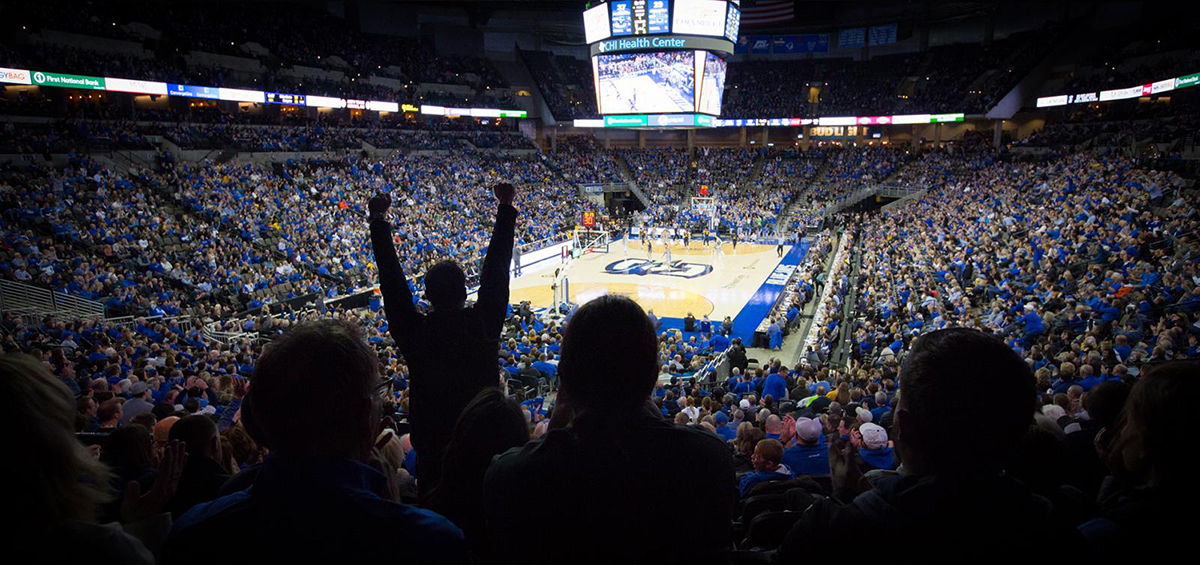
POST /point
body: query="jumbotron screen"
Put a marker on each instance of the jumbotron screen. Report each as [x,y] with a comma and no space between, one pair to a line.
[660,56]
[659,82]
[632,18]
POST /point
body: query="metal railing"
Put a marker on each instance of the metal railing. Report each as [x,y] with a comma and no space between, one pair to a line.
[23,298]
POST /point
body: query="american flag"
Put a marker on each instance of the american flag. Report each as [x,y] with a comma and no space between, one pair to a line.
[767,12]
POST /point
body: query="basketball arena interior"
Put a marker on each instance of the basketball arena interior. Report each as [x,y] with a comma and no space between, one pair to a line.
[611,281]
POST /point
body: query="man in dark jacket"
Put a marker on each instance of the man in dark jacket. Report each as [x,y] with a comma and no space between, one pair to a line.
[951,501]
[451,352]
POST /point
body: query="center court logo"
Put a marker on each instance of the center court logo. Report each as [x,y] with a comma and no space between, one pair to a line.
[643,267]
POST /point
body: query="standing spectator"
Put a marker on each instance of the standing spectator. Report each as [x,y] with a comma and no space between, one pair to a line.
[452,351]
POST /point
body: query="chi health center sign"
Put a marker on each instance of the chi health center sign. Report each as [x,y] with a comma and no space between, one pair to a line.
[69,81]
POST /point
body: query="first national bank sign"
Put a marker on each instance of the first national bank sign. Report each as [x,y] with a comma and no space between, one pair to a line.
[660,43]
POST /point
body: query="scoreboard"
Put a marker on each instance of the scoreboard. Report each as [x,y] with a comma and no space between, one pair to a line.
[661,57]
[631,18]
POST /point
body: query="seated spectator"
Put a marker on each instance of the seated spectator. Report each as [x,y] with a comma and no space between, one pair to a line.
[313,501]
[59,486]
[952,502]
[203,474]
[767,466]
[876,450]
[606,434]
[810,455]
[747,437]
[1146,459]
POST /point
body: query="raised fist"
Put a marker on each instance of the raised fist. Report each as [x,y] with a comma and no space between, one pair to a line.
[378,205]
[505,193]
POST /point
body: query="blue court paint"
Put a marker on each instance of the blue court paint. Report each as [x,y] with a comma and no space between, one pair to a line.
[760,302]
[763,299]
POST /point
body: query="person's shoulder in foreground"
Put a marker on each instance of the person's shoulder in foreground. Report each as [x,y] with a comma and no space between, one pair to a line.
[314,511]
[952,500]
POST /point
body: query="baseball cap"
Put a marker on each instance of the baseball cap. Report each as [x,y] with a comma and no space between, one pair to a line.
[863,414]
[140,388]
[744,404]
[808,429]
[873,435]
[720,418]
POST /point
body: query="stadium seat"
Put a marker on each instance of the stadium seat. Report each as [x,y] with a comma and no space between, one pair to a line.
[768,529]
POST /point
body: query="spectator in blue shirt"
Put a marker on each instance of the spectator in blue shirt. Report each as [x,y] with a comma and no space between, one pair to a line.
[723,428]
[876,450]
[776,386]
[767,467]
[808,456]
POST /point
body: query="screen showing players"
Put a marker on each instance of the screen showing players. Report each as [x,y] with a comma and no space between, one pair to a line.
[699,17]
[712,84]
[595,24]
[643,83]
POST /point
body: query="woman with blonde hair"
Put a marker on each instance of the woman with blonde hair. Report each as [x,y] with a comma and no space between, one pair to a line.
[59,486]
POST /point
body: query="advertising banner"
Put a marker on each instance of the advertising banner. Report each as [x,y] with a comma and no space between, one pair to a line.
[237,95]
[1162,86]
[1049,101]
[935,118]
[626,121]
[42,78]
[135,86]
[760,44]
[329,102]
[1186,81]
[189,91]
[1120,93]
[15,76]
[379,106]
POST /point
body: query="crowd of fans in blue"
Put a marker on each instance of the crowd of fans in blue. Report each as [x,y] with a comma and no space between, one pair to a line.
[1036,311]
[1021,352]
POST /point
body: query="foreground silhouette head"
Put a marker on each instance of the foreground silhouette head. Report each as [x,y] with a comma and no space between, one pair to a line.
[935,433]
[322,367]
[446,286]
[609,354]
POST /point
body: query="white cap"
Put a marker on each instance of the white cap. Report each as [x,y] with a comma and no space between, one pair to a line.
[873,435]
